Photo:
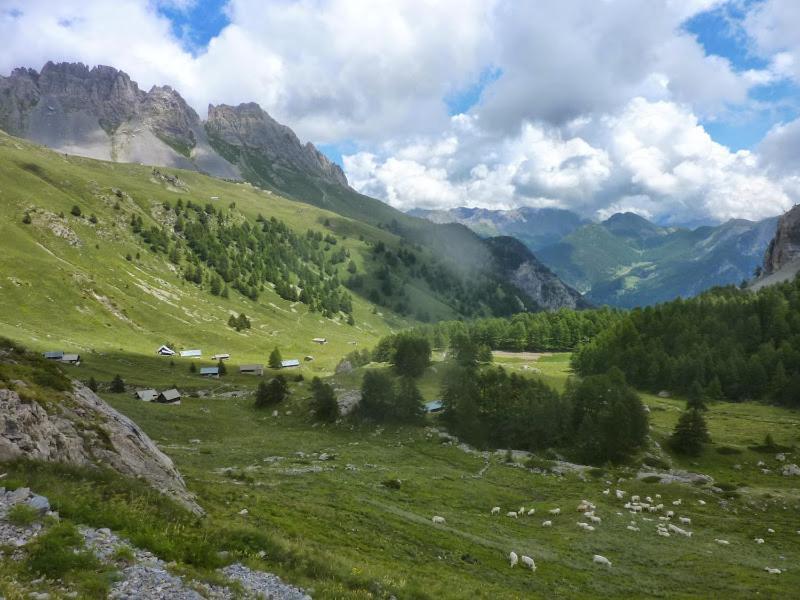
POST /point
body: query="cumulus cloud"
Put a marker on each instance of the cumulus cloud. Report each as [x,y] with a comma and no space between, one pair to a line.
[773,27]
[653,158]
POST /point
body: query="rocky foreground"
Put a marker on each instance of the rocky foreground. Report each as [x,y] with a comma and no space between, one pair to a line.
[140,574]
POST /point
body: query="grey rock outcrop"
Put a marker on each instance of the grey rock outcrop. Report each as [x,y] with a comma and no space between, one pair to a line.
[248,126]
[101,113]
[84,430]
[785,246]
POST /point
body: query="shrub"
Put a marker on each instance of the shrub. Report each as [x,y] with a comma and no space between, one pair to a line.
[76,211]
[275,359]
[57,552]
[392,484]
[22,515]
[272,393]
[26,219]
[727,450]
[93,219]
[651,479]
[117,385]
[655,462]
[92,384]
[412,354]
[324,406]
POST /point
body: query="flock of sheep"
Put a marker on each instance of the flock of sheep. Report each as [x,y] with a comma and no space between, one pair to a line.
[636,506]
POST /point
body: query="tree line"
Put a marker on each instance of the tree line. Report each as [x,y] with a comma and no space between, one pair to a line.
[726,344]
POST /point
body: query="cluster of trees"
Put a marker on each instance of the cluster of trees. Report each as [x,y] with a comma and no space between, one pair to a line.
[239,323]
[245,256]
[273,392]
[727,344]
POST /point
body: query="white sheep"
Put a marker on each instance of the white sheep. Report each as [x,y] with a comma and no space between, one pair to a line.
[676,529]
[633,528]
[663,518]
[521,511]
[531,512]
[513,558]
[652,509]
[601,560]
[677,502]
[758,540]
[511,514]
[620,494]
[659,507]
[636,509]
[438,520]
[701,502]
[658,495]
[588,513]
[648,499]
[606,492]
[670,514]
[496,510]
[595,519]
[547,523]
[528,562]
[555,511]
[685,520]
[772,571]
[663,532]
[634,498]
[770,530]
[722,542]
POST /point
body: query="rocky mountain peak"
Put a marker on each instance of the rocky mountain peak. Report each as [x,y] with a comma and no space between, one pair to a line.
[785,246]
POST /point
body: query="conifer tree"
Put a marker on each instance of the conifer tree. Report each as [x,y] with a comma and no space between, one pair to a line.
[117,385]
[323,402]
[690,433]
[275,359]
[696,397]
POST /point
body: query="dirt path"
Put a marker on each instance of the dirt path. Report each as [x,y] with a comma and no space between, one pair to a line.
[532,356]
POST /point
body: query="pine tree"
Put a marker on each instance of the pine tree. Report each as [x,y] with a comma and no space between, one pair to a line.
[223,370]
[192,368]
[117,385]
[92,384]
[275,359]
[696,397]
[323,402]
[408,401]
[690,433]
[272,393]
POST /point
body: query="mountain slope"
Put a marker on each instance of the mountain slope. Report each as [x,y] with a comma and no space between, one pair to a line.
[782,258]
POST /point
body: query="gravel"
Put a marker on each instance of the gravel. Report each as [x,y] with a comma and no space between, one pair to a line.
[263,585]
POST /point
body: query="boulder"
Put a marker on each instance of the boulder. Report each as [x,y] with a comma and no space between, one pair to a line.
[40,504]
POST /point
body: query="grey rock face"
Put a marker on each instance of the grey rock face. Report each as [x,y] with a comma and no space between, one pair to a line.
[785,246]
[84,430]
[249,126]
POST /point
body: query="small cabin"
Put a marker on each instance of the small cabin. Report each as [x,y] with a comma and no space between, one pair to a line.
[292,362]
[209,372]
[221,356]
[72,359]
[434,407]
[164,351]
[191,353]
[172,396]
[252,369]
[320,340]
[146,395]
[54,355]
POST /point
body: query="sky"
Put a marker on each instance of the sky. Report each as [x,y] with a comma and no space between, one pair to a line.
[683,111]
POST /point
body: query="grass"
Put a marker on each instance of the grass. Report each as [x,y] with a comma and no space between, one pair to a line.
[22,515]
[343,529]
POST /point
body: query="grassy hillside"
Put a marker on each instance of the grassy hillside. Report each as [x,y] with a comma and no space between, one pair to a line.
[334,528]
[66,283]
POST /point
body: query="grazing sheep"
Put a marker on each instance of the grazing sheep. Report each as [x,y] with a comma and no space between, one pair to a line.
[670,514]
[685,520]
[649,500]
[438,520]
[513,558]
[663,533]
[620,494]
[677,502]
[636,509]
[772,571]
[632,528]
[595,519]
[496,510]
[722,542]
[676,529]
[647,519]
[658,495]
[511,514]
[528,562]
[601,560]
[555,511]
[547,523]
[243,512]
[759,540]
[634,498]
[701,502]
[770,530]
[663,518]
[606,492]
[531,512]
[588,513]
[659,507]
[521,511]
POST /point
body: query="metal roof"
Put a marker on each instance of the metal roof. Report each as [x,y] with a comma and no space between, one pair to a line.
[292,362]
[70,357]
[191,352]
[54,354]
[209,370]
[251,368]
[147,395]
[434,406]
[170,395]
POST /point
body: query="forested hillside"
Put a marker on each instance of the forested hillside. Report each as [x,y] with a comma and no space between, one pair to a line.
[732,343]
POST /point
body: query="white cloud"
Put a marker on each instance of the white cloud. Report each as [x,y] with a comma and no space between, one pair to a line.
[773,27]
[653,158]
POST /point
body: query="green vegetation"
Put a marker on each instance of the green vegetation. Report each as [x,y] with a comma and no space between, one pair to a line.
[275,359]
[22,515]
[117,385]
[324,406]
[272,393]
[725,344]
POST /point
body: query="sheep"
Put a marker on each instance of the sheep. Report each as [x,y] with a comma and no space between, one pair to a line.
[677,502]
[758,540]
[647,519]
[634,499]
[658,496]
[606,492]
[636,509]
[531,512]
[547,523]
[511,514]
[670,514]
[659,507]
[496,510]
[701,502]
[632,528]
[620,494]
[521,511]
[555,511]
[649,500]
[438,520]
[601,560]
[722,542]
[528,562]
[772,571]
[685,520]
[513,558]
[662,532]
[676,529]
[652,509]
[663,518]
[770,530]
[595,519]
[588,513]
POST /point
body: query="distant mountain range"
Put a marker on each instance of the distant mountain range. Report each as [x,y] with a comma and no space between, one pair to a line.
[101,113]
[626,260]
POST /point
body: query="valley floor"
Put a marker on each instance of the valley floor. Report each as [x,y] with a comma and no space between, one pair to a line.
[319,503]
